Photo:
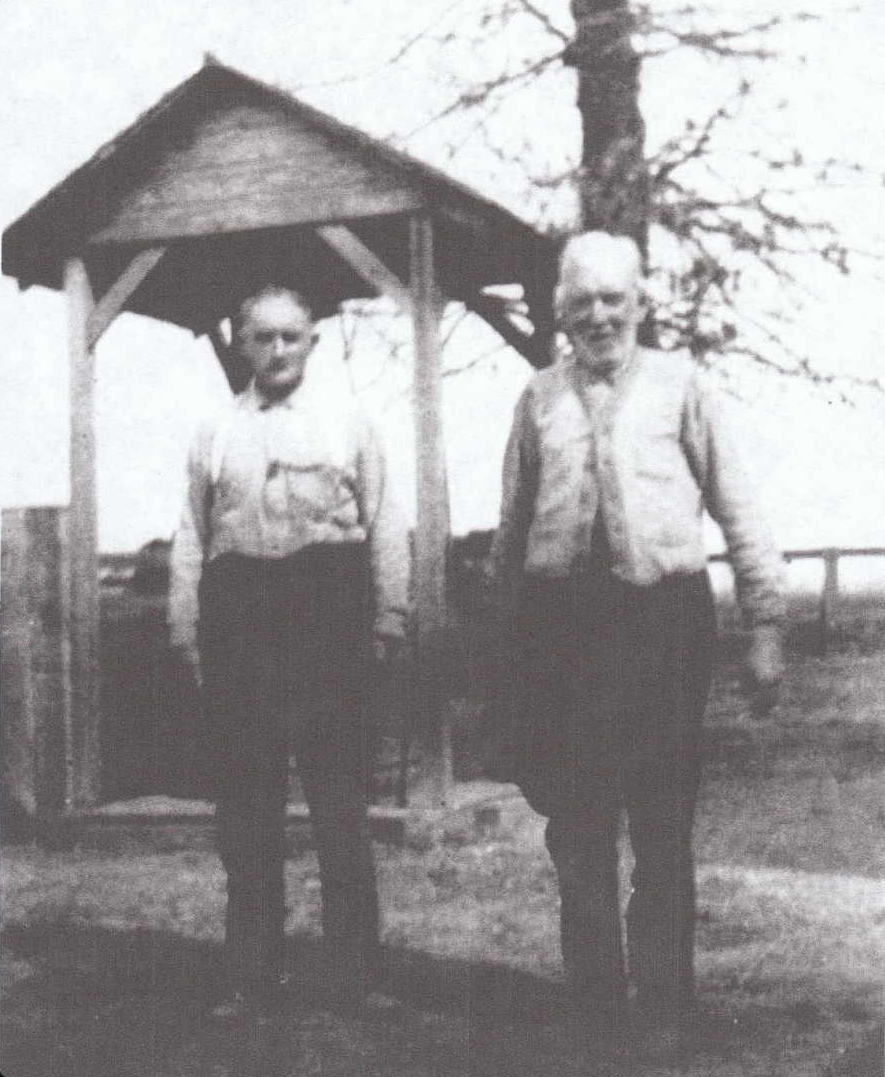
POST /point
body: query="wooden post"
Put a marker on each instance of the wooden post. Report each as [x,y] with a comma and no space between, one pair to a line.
[829,599]
[35,686]
[80,551]
[432,527]
[16,686]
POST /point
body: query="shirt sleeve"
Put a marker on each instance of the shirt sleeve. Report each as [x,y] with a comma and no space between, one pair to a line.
[519,488]
[190,543]
[386,533]
[716,459]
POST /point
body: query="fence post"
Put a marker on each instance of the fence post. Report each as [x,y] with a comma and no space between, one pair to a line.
[829,599]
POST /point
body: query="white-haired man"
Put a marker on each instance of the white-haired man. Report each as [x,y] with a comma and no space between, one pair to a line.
[289,559]
[599,563]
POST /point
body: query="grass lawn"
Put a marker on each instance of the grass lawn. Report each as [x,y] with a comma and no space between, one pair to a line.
[112,953]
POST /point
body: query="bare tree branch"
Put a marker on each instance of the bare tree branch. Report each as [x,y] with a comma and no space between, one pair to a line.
[545,21]
[735,228]
[480,93]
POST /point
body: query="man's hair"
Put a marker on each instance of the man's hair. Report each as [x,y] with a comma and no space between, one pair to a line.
[268,291]
[591,248]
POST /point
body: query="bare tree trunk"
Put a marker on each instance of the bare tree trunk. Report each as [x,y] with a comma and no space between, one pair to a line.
[614,181]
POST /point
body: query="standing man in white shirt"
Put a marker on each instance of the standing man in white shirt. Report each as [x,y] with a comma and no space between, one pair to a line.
[289,576]
[600,564]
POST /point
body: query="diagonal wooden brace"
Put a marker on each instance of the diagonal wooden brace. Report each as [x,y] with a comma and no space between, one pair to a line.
[112,302]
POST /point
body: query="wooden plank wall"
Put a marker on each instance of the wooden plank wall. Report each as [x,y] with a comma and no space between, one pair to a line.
[35,676]
[251,166]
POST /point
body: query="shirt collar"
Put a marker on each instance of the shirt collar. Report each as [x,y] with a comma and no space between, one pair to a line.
[612,378]
[254,400]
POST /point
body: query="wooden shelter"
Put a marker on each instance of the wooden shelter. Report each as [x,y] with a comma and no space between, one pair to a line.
[223,184]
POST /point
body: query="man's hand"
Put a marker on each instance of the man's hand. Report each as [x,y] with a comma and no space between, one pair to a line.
[188,657]
[764,667]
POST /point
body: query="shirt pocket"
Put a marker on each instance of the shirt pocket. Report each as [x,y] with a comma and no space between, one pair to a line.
[315,493]
[311,492]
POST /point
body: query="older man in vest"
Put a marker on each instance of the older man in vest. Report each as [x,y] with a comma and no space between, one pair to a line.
[599,562]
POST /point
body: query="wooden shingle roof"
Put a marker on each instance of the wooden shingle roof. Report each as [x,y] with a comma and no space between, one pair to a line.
[232,176]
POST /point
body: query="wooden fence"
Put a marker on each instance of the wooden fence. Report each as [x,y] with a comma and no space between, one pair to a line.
[37,736]
[829,596]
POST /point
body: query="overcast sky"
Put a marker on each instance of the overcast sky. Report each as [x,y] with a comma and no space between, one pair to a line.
[80,71]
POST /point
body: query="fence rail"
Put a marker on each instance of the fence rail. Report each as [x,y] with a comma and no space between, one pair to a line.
[830,555]
[119,569]
[475,548]
[823,551]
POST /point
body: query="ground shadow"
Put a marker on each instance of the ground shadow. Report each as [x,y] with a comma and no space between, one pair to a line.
[84,1001]
[105,1003]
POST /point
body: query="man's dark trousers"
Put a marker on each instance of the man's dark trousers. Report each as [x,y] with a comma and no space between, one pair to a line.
[284,650]
[617,678]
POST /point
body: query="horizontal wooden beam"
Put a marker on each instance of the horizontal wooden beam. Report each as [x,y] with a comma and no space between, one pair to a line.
[366,263]
[824,552]
[211,216]
[112,302]
[387,824]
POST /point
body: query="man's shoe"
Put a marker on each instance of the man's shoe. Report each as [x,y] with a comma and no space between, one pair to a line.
[276,996]
[272,998]
[355,996]
[605,1025]
[603,1012]
[380,1004]
[234,1008]
[656,1040]
[358,1001]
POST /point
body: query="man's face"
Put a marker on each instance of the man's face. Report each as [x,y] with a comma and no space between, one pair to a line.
[275,340]
[602,312]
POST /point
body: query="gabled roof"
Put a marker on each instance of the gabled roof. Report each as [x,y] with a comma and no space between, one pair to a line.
[232,176]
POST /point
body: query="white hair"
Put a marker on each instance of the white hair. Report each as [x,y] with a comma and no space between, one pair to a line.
[592,250]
